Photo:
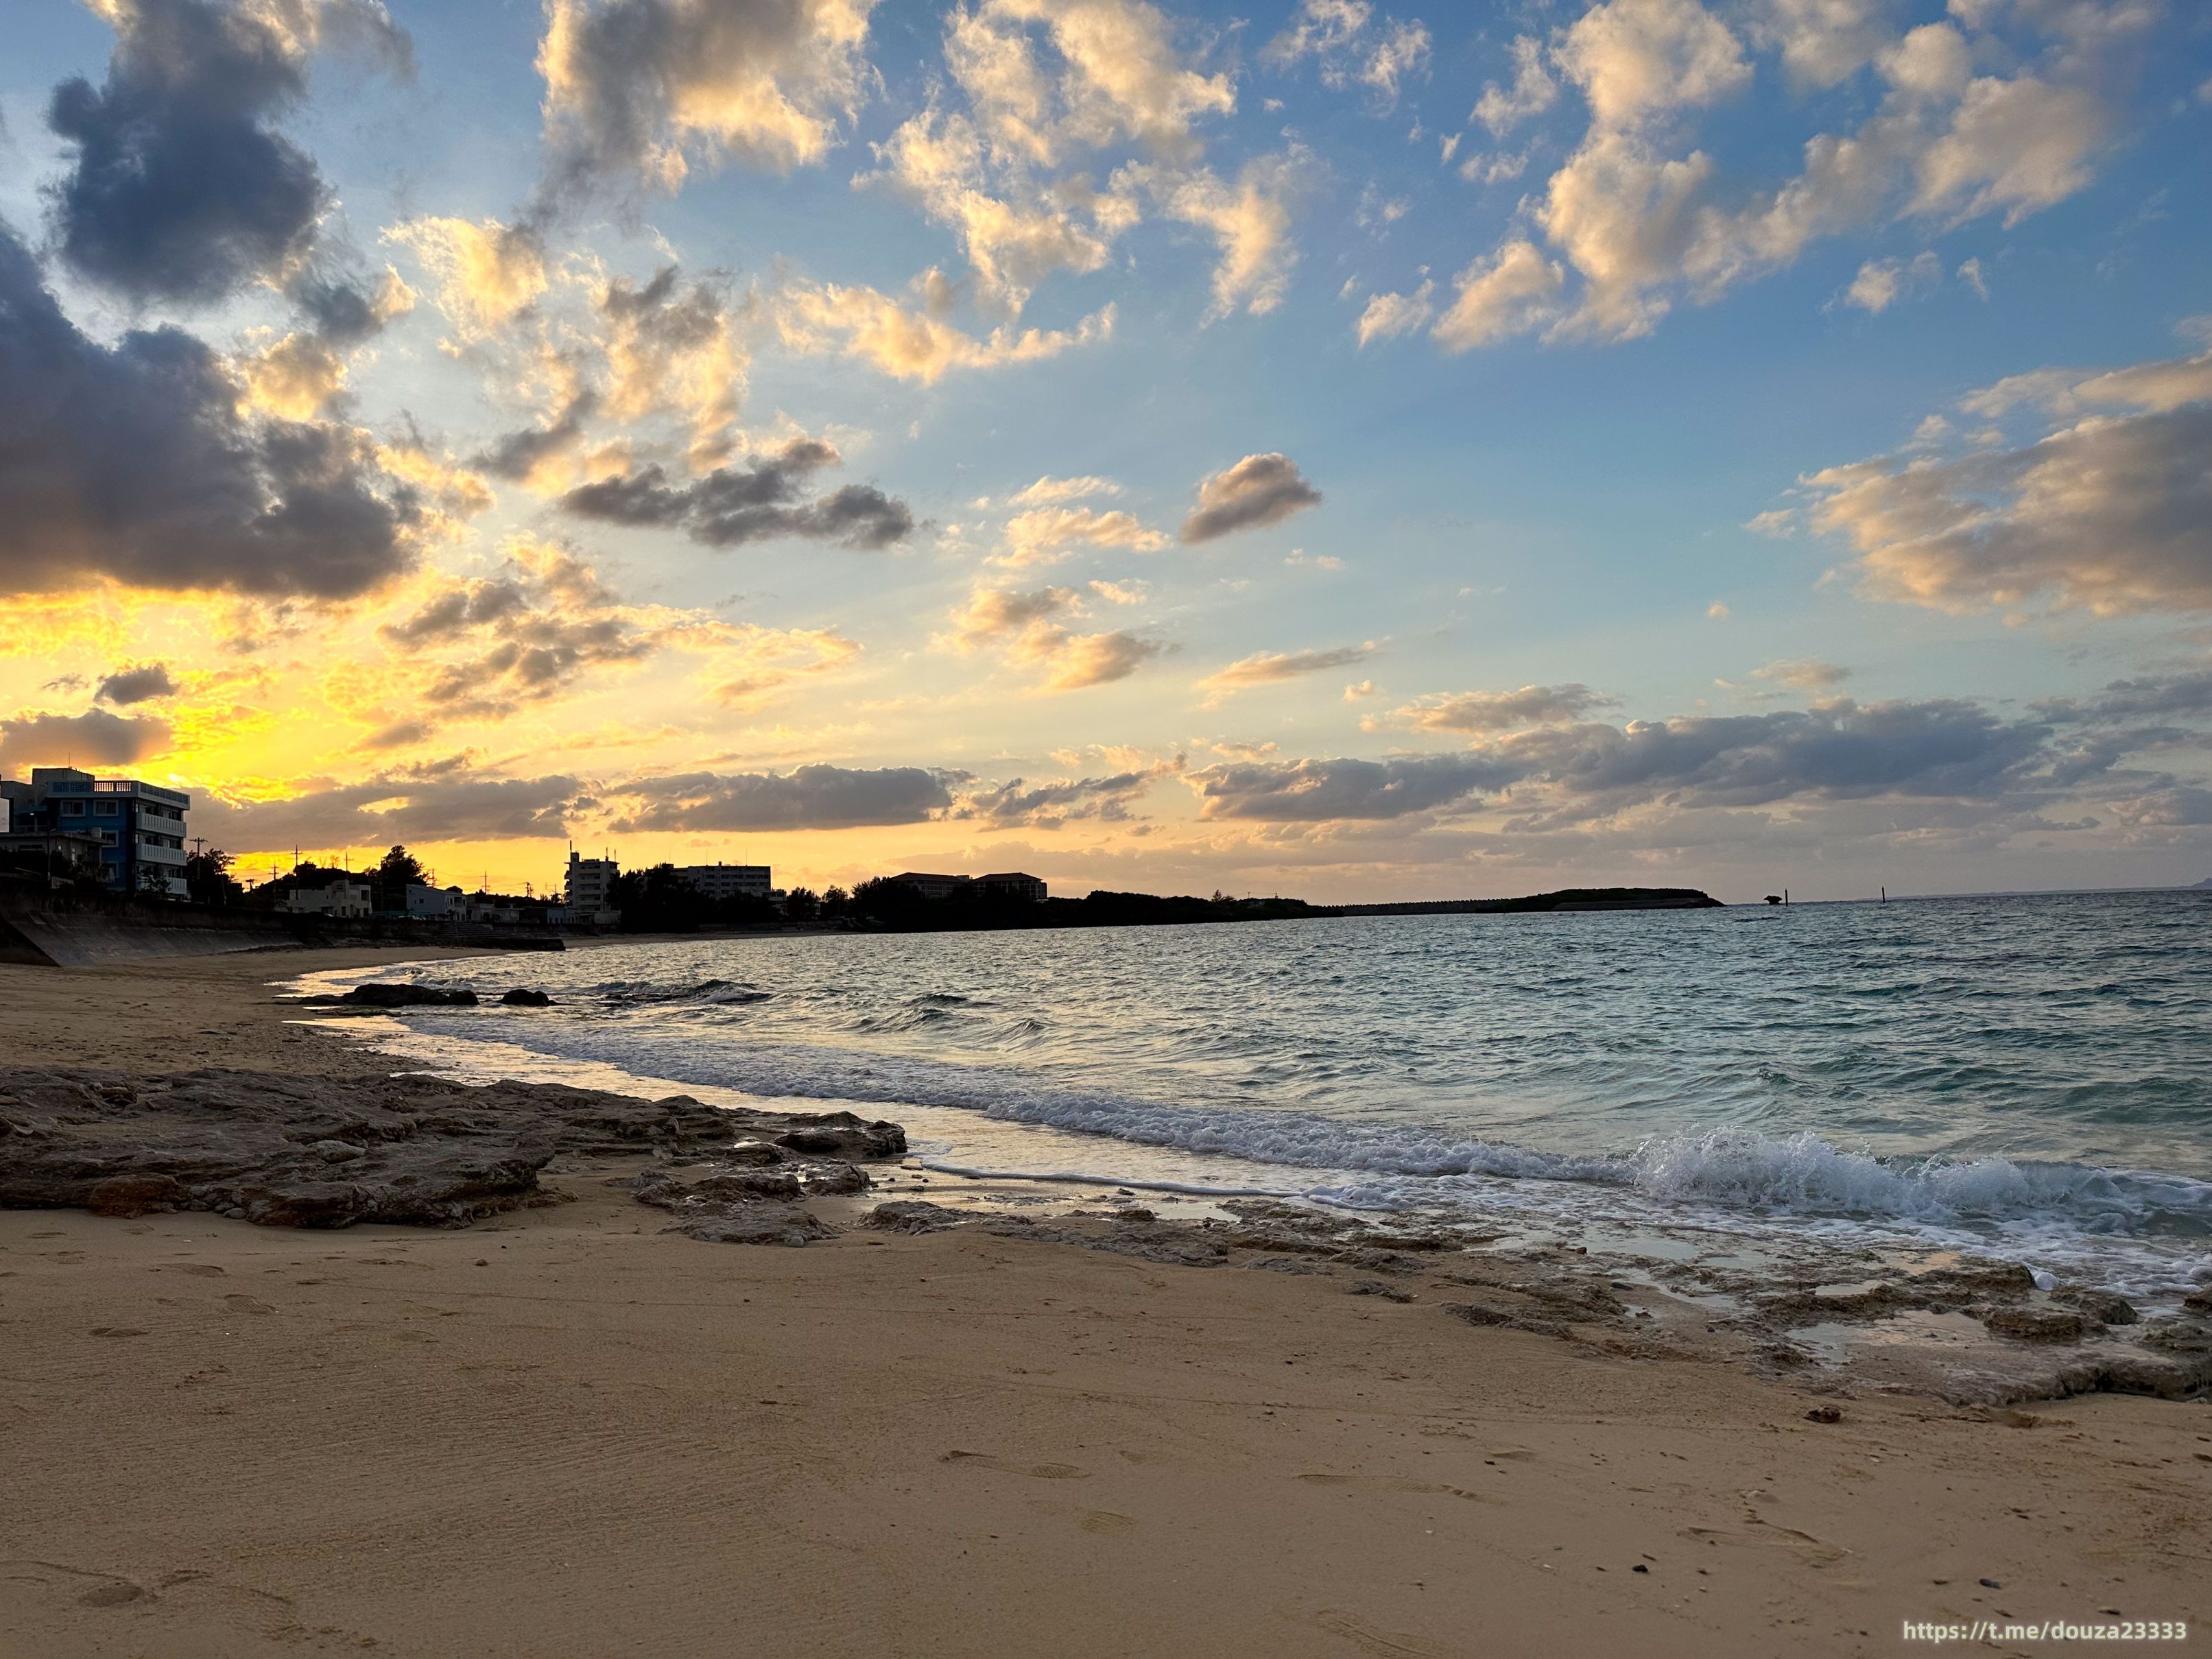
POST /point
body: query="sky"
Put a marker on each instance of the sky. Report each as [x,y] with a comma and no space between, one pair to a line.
[1310,447]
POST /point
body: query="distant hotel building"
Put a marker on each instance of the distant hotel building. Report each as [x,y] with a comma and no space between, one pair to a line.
[1012,884]
[138,828]
[590,883]
[726,881]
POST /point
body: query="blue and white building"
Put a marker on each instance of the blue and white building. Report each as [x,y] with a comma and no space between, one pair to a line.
[139,827]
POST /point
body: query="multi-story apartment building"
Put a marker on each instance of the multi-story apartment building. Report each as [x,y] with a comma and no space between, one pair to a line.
[589,883]
[724,881]
[139,827]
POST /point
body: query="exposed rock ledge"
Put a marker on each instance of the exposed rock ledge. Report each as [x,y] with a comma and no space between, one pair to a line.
[327,1151]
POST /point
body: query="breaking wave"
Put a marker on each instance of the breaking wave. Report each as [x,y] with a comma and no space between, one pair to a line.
[1394,1166]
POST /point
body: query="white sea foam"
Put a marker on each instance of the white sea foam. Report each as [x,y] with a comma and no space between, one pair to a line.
[1729,1169]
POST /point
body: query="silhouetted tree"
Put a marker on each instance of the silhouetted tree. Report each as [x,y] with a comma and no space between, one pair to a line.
[208,879]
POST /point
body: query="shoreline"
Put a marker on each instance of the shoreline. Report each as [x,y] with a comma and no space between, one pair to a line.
[565,1429]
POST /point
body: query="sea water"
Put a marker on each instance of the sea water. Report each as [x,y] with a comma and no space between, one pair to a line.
[2027,1076]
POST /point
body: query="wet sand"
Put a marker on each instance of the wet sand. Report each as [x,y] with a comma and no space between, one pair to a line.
[566,1432]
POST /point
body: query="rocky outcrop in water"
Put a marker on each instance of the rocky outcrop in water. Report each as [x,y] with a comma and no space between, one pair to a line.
[379,995]
[327,1151]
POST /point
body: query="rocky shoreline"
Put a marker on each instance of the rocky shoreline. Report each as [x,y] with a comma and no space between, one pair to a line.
[329,1150]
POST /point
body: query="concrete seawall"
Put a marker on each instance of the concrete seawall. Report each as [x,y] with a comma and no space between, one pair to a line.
[64,932]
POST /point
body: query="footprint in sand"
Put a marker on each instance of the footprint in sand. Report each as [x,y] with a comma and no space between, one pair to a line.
[204,1269]
[116,1330]
[1391,1483]
[1382,1644]
[1105,1521]
[247,1304]
[1007,1466]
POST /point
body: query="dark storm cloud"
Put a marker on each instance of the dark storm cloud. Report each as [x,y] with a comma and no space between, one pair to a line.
[129,685]
[1259,490]
[94,739]
[180,188]
[810,797]
[417,805]
[1312,791]
[458,609]
[731,506]
[1943,746]
[515,455]
[2158,697]
[133,462]
[1940,748]
[340,310]
[1047,806]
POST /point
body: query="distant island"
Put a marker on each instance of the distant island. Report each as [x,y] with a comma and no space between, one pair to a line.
[895,906]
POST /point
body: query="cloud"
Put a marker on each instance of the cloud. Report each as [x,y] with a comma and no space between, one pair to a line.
[760,502]
[178,187]
[673,346]
[139,684]
[1047,804]
[2107,513]
[1337,35]
[1882,283]
[1823,43]
[645,89]
[134,462]
[1024,624]
[487,274]
[1044,83]
[1533,91]
[96,738]
[1806,673]
[1636,60]
[1250,222]
[417,806]
[1510,292]
[915,342]
[1942,748]
[1641,217]
[541,625]
[1044,535]
[303,373]
[1387,316]
[1267,667]
[1313,791]
[809,797]
[1118,75]
[1075,662]
[539,456]
[1014,231]
[1486,712]
[1047,492]
[999,613]
[1258,492]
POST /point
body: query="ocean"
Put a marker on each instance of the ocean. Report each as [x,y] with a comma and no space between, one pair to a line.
[2027,1076]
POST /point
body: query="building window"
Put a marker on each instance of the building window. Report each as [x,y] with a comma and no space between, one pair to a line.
[73,808]
[105,808]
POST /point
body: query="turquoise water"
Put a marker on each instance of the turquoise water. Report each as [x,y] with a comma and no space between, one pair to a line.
[2032,1068]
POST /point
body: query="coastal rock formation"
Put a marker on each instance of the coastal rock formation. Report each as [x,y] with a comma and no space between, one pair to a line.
[327,1151]
[523,997]
[396,996]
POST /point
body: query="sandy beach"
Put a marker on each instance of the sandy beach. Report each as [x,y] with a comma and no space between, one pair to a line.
[567,1431]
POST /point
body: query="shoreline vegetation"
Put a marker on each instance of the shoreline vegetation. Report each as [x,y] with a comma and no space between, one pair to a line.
[890,906]
[82,925]
[578,1406]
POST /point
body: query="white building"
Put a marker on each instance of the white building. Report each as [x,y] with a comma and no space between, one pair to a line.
[590,883]
[340,899]
[428,903]
[724,881]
